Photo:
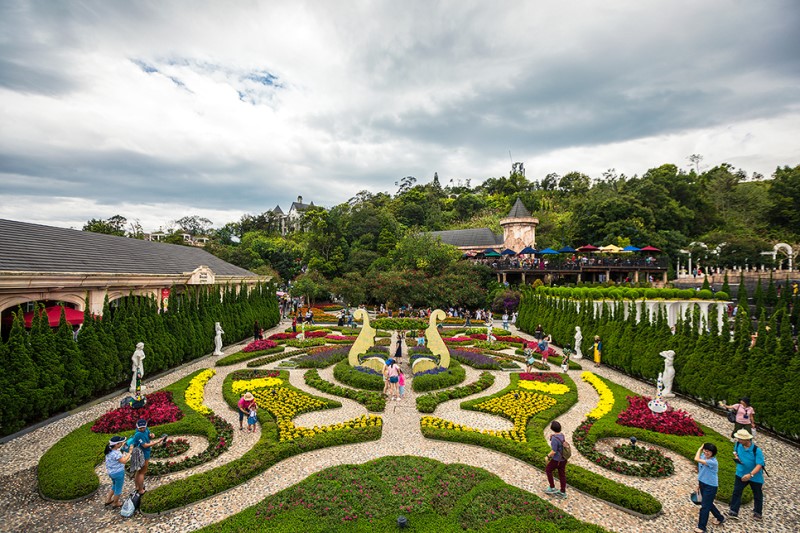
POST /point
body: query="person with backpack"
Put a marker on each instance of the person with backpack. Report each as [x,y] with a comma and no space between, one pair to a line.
[560,452]
[744,415]
[749,471]
[142,439]
[115,468]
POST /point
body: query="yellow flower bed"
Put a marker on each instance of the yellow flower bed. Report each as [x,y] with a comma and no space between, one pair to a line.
[520,406]
[195,390]
[284,404]
[244,385]
[606,396]
[548,388]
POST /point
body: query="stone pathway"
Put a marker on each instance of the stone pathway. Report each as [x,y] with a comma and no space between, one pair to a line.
[21,509]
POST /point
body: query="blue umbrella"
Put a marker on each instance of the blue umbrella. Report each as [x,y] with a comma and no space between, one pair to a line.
[630,249]
[567,250]
[528,250]
[508,251]
[548,251]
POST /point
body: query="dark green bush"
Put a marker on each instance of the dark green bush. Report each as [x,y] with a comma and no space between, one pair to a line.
[373,401]
[452,376]
[357,379]
[427,403]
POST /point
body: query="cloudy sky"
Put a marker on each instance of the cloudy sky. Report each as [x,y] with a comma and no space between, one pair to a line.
[157,110]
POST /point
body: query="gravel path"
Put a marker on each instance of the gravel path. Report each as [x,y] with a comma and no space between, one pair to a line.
[21,509]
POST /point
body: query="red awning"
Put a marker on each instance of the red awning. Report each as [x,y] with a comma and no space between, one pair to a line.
[649,249]
[588,248]
[74,317]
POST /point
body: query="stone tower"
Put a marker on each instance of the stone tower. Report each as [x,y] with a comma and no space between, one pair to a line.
[519,228]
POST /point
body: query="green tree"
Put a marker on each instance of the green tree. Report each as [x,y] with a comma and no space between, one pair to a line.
[784,193]
[113,226]
[22,377]
[49,393]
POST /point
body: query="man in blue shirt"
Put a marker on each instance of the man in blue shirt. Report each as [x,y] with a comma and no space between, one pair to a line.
[142,439]
[708,479]
[749,471]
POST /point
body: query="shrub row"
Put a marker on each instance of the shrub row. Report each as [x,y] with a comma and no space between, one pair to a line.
[267,451]
[373,401]
[357,379]
[452,376]
[238,357]
[535,450]
[427,403]
[277,357]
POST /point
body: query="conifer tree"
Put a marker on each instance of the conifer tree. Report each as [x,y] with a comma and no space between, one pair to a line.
[22,376]
[771,297]
[706,285]
[76,383]
[760,299]
[741,295]
[49,394]
[726,288]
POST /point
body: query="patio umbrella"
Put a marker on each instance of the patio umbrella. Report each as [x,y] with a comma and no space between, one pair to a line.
[528,250]
[649,249]
[548,251]
[567,250]
[588,248]
[73,316]
[631,249]
[490,251]
[508,251]
[611,249]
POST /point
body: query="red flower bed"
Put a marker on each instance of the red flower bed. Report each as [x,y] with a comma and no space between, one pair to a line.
[672,422]
[315,333]
[159,410]
[335,337]
[501,338]
[261,344]
[457,339]
[545,377]
[281,336]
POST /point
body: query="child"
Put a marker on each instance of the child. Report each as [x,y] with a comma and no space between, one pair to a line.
[420,338]
[565,360]
[115,468]
[252,418]
[529,359]
[402,382]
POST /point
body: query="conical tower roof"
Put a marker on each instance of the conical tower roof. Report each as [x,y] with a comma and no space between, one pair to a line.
[518,210]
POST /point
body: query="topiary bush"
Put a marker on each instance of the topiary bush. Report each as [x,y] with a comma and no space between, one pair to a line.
[431,381]
[356,378]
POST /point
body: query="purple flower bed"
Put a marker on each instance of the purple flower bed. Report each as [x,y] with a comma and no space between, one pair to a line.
[323,357]
[432,371]
[367,370]
[474,359]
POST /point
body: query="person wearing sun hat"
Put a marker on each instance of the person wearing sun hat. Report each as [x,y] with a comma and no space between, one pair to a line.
[245,403]
[142,439]
[115,468]
[749,471]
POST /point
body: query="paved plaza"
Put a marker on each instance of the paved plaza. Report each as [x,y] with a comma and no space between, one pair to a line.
[22,509]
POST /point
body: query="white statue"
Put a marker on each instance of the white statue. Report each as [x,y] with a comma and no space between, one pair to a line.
[669,372]
[657,404]
[218,339]
[578,340]
[138,366]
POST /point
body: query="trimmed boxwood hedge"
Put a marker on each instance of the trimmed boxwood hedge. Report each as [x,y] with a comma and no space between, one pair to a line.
[357,379]
[373,401]
[685,445]
[427,403]
[267,451]
[238,357]
[454,375]
[66,471]
[535,450]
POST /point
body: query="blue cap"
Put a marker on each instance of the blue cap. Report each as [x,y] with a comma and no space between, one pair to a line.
[141,423]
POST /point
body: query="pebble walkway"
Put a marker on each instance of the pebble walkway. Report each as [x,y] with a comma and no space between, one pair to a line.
[22,509]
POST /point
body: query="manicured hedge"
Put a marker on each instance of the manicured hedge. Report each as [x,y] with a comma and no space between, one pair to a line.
[403,324]
[535,450]
[66,471]
[261,361]
[373,401]
[454,375]
[436,498]
[238,357]
[427,403]
[357,379]
[267,451]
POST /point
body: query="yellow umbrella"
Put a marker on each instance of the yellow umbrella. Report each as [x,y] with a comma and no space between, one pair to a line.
[611,249]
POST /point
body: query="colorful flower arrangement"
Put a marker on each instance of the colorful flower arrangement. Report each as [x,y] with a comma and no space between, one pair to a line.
[545,377]
[159,410]
[501,338]
[282,336]
[284,404]
[170,448]
[547,388]
[242,386]
[519,406]
[431,372]
[214,449]
[322,357]
[334,337]
[457,340]
[654,463]
[672,421]
[195,391]
[367,370]
[474,358]
[319,333]
[606,402]
[260,344]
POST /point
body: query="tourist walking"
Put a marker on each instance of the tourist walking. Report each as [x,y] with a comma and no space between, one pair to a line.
[256,331]
[529,358]
[115,468]
[401,382]
[392,372]
[538,333]
[749,472]
[598,350]
[745,415]
[708,481]
[505,320]
[557,461]
[143,439]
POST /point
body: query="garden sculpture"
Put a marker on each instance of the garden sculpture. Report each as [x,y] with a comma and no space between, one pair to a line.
[365,340]
[578,339]
[657,404]
[218,339]
[138,365]
[435,342]
[669,372]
